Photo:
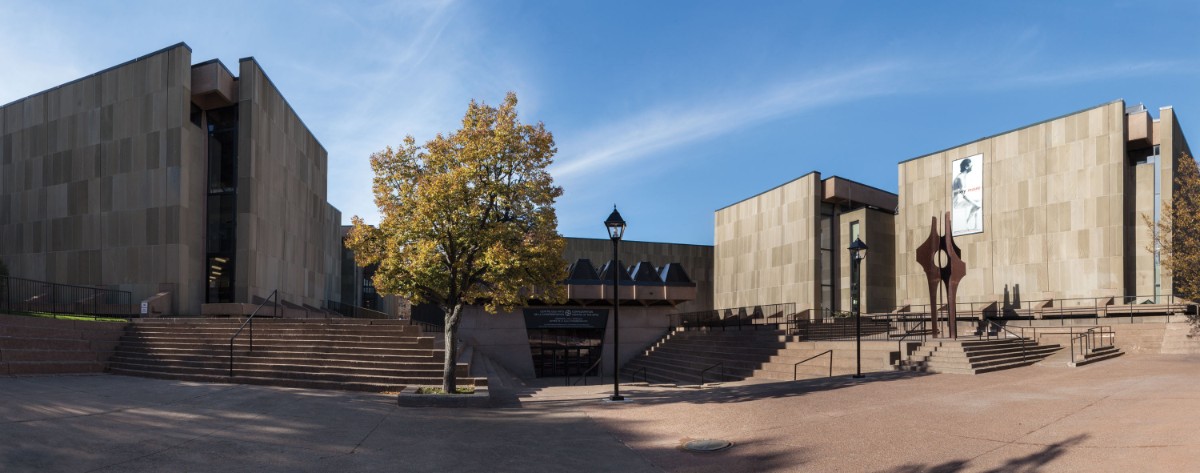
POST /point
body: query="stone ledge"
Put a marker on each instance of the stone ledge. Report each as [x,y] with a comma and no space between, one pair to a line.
[409,398]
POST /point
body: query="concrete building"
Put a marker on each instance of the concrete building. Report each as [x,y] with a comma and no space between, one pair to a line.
[1061,210]
[1048,214]
[163,176]
[787,245]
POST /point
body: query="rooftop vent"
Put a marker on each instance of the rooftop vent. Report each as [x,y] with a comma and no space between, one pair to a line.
[1139,108]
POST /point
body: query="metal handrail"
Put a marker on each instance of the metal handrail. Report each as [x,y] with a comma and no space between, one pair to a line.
[584,375]
[1079,337]
[645,377]
[900,341]
[1024,348]
[705,370]
[796,366]
[250,320]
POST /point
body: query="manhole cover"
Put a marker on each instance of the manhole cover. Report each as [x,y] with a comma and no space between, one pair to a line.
[707,445]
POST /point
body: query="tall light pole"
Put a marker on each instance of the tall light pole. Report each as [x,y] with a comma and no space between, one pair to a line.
[616,228]
[858,252]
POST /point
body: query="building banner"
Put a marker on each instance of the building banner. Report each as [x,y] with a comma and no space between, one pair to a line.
[966,195]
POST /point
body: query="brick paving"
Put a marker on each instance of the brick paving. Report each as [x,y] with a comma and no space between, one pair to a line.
[1134,413]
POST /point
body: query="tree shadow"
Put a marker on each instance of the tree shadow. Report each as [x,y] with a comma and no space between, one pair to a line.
[722,393]
[1031,463]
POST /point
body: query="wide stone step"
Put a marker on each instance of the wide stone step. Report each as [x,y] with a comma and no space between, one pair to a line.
[355,355]
[289,383]
[1097,355]
[704,362]
[699,348]
[271,344]
[84,356]
[50,367]
[294,365]
[660,375]
[21,343]
[308,373]
[404,329]
[690,373]
[297,338]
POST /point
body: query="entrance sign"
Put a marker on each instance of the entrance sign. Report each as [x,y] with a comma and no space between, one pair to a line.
[565,318]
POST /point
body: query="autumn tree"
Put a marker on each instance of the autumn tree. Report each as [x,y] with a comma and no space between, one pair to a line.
[468,218]
[1177,234]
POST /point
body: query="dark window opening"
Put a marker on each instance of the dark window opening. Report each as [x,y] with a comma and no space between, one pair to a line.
[221,218]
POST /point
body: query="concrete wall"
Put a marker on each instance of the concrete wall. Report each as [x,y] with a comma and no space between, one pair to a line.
[697,260]
[504,339]
[1054,211]
[288,236]
[36,345]
[767,247]
[877,230]
[97,180]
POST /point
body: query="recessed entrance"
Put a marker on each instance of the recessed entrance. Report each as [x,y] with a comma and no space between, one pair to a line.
[564,351]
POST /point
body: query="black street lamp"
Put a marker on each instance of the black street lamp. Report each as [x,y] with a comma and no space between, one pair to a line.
[858,252]
[616,228]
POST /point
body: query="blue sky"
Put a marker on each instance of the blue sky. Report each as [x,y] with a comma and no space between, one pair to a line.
[670,110]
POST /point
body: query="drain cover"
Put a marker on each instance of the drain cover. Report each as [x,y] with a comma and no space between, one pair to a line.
[707,445]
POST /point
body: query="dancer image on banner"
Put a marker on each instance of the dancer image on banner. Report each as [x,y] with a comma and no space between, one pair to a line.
[966,194]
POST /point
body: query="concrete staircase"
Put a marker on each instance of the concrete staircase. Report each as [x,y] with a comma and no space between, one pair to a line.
[1095,355]
[347,354]
[814,362]
[838,329]
[975,356]
[37,345]
[1175,340]
[680,357]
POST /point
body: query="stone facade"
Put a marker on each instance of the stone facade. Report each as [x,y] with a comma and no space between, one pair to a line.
[104,181]
[1062,212]
[788,245]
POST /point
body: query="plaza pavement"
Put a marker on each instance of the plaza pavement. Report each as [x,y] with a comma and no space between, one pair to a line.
[1137,413]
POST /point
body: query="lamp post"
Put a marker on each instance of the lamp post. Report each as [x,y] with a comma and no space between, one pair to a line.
[616,228]
[858,252]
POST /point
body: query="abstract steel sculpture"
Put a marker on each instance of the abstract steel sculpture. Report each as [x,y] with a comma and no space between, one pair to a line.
[948,270]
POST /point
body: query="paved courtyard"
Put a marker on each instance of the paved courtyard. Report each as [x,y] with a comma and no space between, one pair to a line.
[1135,413]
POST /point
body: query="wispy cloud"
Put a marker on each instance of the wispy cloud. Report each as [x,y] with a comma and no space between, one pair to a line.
[1067,75]
[671,125]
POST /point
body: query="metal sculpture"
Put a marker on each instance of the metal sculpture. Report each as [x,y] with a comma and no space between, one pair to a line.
[939,269]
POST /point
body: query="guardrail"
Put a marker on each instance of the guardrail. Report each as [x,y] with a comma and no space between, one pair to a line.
[1061,308]
[766,316]
[796,367]
[720,364]
[19,295]
[348,310]
[250,320]
[584,376]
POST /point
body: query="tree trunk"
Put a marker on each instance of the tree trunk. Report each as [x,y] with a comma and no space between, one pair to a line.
[451,333]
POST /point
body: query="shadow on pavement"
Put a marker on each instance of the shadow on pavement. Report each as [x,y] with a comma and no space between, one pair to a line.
[1029,463]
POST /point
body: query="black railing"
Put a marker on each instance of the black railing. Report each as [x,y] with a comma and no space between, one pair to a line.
[1060,308]
[427,327]
[986,333]
[796,367]
[28,296]
[913,331]
[882,327]
[584,376]
[349,310]
[645,377]
[720,364]
[769,316]
[250,320]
